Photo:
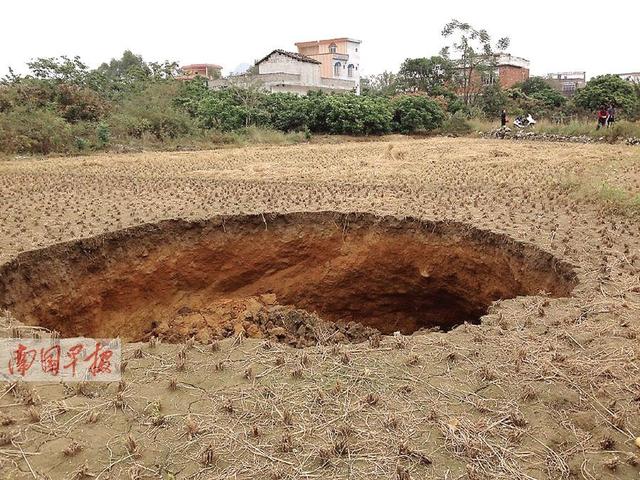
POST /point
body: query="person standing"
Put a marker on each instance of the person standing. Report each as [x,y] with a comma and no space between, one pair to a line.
[503,118]
[611,115]
[602,118]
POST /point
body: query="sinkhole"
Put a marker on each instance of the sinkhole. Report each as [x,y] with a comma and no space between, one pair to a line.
[386,273]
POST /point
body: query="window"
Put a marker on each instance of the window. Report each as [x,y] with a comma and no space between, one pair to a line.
[350,70]
[333,48]
[336,69]
[489,79]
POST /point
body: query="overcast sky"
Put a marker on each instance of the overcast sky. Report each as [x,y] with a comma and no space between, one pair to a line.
[555,35]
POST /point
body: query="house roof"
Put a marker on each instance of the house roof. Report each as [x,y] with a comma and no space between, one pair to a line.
[328,40]
[195,66]
[295,56]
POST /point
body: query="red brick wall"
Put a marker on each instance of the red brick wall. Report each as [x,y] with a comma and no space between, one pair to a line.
[509,75]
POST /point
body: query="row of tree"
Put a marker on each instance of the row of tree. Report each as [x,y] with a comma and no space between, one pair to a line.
[435,76]
[456,77]
[62,105]
[234,108]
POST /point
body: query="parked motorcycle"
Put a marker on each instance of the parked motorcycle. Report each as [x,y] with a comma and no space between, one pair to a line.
[524,122]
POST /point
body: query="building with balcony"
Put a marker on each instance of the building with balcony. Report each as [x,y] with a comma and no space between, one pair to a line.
[339,58]
[283,71]
[567,83]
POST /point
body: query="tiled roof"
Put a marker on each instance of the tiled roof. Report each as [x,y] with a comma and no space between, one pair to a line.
[201,65]
[329,40]
[295,56]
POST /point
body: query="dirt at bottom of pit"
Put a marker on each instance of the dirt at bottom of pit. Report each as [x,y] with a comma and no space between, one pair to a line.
[258,317]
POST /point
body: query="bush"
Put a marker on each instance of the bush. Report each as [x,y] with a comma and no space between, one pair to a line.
[354,115]
[349,114]
[103,134]
[492,101]
[606,90]
[456,125]
[537,88]
[413,113]
[79,104]
[24,130]
[286,111]
[227,110]
[151,111]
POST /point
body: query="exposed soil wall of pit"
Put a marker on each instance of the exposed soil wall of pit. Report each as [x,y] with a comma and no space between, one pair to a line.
[383,272]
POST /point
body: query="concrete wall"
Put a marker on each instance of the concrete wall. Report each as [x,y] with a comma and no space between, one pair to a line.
[283,82]
[339,84]
[278,63]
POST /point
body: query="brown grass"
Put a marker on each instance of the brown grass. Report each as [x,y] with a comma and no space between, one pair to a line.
[543,388]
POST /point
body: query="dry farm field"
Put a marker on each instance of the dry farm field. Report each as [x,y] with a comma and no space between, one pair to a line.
[404,309]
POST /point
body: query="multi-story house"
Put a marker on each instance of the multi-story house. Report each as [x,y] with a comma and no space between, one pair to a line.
[339,58]
[323,65]
[507,71]
[567,83]
[206,70]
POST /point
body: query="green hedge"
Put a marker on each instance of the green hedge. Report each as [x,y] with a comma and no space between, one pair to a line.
[345,114]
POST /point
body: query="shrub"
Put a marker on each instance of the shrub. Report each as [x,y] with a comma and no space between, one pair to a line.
[286,111]
[348,114]
[412,113]
[607,90]
[103,134]
[151,111]
[24,130]
[318,108]
[228,109]
[79,104]
[220,113]
[354,115]
[492,101]
[457,124]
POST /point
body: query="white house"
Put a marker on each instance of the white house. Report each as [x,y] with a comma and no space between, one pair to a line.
[282,71]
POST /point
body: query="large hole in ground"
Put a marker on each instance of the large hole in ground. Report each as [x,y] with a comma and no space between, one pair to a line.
[176,278]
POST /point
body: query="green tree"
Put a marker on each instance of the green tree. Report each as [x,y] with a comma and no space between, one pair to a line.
[349,114]
[492,101]
[607,90]
[129,65]
[26,130]
[413,113]
[356,115]
[286,111]
[539,89]
[385,83]
[151,111]
[474,56]
[430,75]
[63,69]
